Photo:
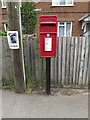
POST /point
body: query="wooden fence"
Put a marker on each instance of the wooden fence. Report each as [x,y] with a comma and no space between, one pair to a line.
[70,67]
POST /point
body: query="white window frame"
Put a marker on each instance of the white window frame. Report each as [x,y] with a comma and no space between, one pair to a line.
[63,5]
[65,29]
[3,5]
[6,6]
[5,28]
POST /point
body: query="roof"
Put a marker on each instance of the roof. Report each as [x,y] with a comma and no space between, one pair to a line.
[85,16]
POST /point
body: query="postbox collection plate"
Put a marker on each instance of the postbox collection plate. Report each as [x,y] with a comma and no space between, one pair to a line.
[48,44]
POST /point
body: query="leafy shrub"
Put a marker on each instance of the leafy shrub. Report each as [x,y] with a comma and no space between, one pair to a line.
[3,33]
[29,18]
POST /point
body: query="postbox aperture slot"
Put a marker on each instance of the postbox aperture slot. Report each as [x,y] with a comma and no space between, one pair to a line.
[48,24]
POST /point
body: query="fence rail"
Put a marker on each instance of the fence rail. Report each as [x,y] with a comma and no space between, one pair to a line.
[70,67]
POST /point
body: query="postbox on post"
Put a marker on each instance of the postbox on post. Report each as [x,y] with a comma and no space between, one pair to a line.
[48,42]
[48,36]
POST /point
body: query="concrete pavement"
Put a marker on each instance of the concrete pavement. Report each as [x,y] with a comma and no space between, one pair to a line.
[0,104]
[43,106]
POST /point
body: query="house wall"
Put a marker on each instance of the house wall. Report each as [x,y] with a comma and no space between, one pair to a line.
[71,13]
[0,16]
[3,16]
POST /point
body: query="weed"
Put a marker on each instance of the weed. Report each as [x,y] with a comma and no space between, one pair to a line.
[33,85]
[69,92]
[11,83]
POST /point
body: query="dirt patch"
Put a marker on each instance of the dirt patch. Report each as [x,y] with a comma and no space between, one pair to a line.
[68,91]
[62,91]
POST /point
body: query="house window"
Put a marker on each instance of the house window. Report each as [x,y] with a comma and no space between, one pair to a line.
[64,29]
[3,3]
[62,2]
[5,26]
[87,26]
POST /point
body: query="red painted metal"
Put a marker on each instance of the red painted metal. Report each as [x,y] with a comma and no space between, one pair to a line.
[48,25]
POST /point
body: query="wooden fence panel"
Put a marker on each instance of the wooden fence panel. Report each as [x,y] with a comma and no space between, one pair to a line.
[70,67]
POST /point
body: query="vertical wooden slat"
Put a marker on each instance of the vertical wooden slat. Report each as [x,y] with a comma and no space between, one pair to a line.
[75,60]
[35,54]
[63,59]
[31,59]
[71,60]
[56,66]
[78,60]
[28,53]
[59,61]
[85,63]
[68,60]
[82,62]
[37,61]
[88,80]
[55,70]
[52,70]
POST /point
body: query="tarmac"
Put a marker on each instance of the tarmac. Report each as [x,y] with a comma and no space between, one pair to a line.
[43,106]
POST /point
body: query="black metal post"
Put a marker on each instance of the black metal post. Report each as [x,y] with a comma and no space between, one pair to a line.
[48,75]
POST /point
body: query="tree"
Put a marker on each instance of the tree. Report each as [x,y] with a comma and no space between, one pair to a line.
[29,18]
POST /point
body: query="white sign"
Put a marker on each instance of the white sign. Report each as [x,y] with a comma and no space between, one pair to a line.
[48,44]
[13,39]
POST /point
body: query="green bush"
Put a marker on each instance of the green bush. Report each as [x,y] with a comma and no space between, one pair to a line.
[3,33]
[29,18]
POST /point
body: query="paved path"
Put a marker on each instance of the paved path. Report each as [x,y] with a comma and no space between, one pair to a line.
[43,106]
[0,104]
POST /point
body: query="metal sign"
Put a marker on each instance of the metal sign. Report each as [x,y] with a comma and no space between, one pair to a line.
[13,40]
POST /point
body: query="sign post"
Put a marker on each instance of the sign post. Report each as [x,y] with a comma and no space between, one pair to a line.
[48,42]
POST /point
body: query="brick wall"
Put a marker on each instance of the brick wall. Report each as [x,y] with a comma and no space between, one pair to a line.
[0,17]
[3,16]
[63,13]
[73,12]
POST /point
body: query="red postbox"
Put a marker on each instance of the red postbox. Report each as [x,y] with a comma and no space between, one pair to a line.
[48,36]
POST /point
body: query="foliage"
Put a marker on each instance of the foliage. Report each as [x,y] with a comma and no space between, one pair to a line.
[29,18]
[3,33]
[5,86]
[32,85]
[9,84]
